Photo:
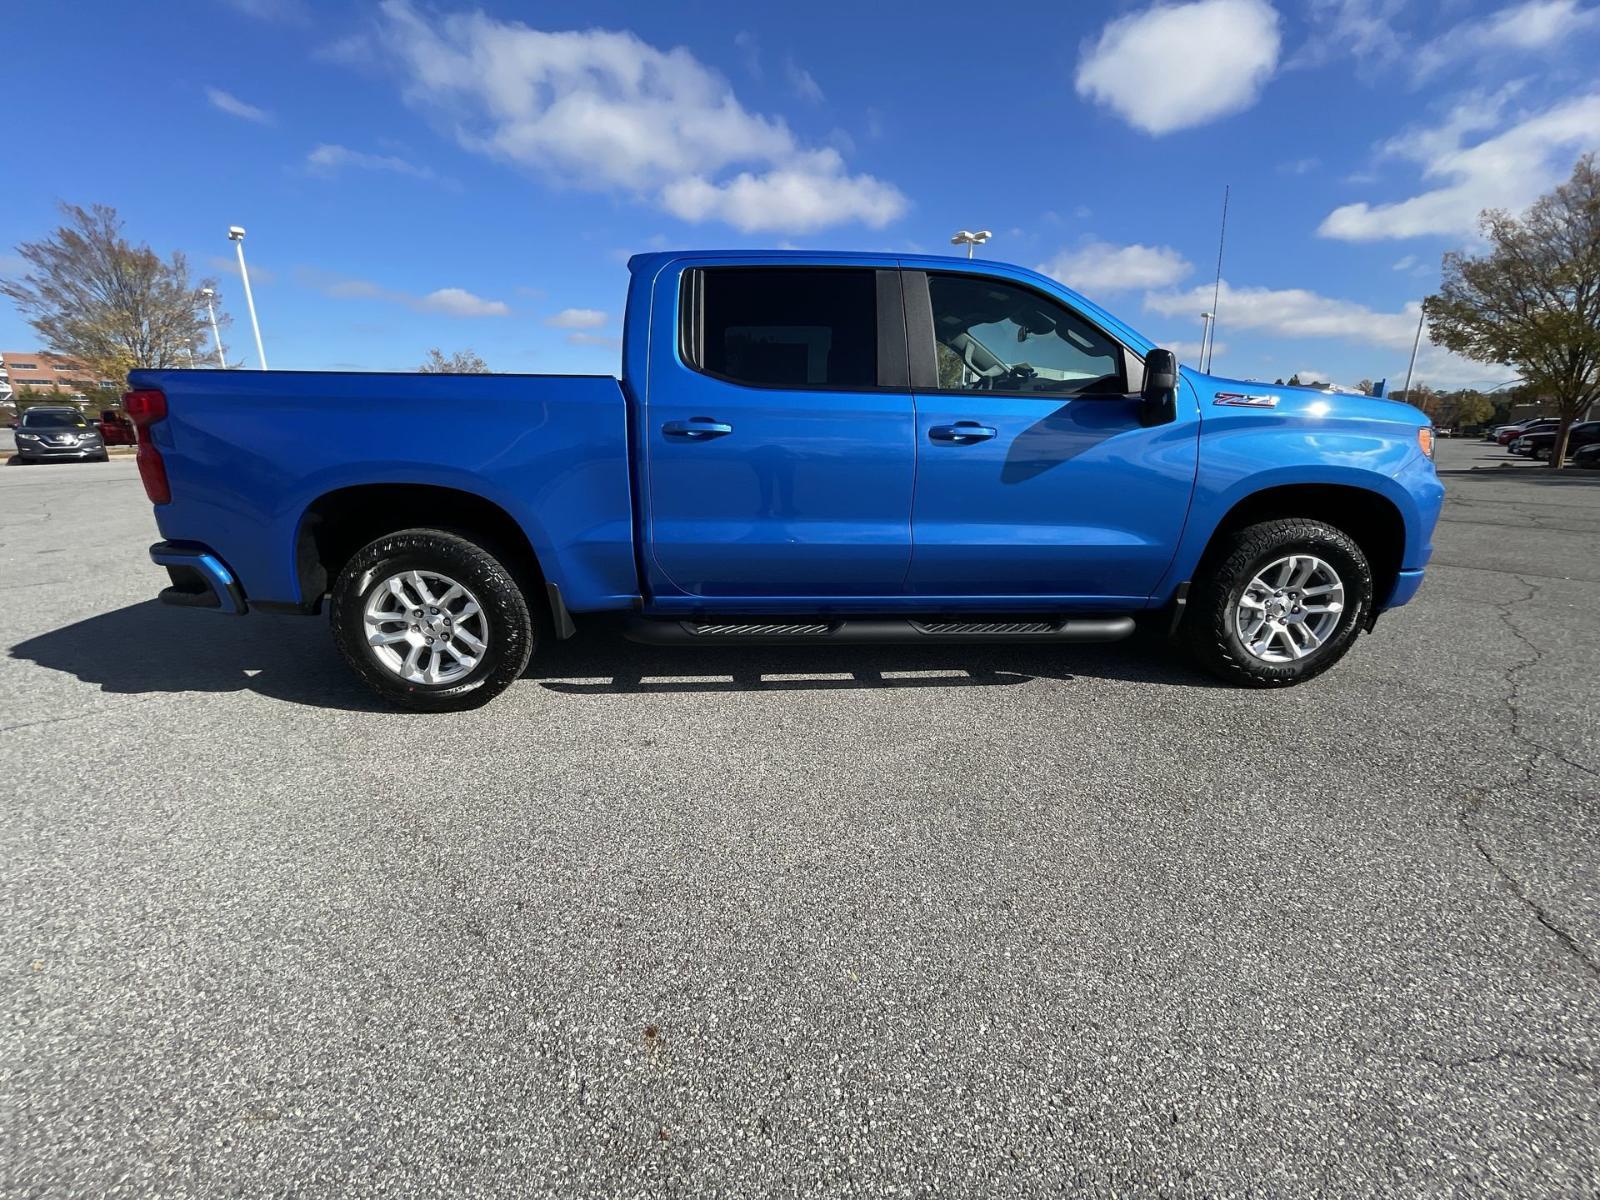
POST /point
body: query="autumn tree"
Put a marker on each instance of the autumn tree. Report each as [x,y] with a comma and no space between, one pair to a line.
[1532,300]
[462,362]
[92,294]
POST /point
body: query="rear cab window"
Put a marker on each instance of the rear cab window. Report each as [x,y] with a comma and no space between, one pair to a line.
[783,327]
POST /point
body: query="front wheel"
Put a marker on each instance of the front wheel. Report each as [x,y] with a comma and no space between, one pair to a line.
[431,621]
[1279,603]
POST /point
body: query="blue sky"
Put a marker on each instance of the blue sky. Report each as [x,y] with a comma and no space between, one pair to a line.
[415,174]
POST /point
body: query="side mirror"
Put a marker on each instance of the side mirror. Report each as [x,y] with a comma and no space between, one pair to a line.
[1160,375]
[1160,388]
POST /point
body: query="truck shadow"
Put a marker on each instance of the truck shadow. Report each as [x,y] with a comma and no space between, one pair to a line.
[151,648]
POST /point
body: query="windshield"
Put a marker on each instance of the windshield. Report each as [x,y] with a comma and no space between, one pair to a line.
[36,418]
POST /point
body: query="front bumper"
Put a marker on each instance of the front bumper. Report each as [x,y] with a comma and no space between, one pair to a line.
[199,578]
[38,453]
[1405,587]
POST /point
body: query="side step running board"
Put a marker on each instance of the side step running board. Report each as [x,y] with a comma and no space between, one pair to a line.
[874,630]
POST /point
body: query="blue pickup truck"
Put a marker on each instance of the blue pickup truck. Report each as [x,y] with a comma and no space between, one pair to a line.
[804,449]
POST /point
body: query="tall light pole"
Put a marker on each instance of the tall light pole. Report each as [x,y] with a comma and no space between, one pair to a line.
[215,336]
[969,239]
[236,236]
[1206,319]
[1415,342]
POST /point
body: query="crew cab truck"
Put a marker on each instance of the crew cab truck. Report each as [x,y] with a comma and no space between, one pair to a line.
[806,449]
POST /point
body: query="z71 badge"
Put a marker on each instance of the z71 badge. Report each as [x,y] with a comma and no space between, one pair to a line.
[1240,400]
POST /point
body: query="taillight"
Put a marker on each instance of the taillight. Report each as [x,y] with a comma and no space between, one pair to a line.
[144,409]
[1425,440]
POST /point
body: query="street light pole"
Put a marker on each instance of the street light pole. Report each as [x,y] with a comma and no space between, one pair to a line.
[215,336]
[1206,320]
[969,239]
[236,236]
[1415,342]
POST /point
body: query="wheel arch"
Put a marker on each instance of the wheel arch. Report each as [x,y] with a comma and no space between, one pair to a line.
[339,522]
[1372,519]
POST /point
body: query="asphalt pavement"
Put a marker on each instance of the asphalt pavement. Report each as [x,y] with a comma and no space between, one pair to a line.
[952,922]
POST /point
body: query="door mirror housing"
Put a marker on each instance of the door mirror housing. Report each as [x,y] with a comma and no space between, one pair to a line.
[1160,375]
[1160,387]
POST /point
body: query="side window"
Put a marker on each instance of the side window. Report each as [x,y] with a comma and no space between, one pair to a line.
[995,336]
[785,326]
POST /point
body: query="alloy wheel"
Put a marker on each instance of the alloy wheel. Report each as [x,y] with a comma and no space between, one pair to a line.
[425,627]
[1290,608]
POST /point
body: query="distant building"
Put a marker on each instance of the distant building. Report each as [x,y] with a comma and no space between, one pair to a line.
[56,376]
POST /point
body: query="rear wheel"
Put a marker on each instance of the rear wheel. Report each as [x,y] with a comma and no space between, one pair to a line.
[1281,602]
[431,621]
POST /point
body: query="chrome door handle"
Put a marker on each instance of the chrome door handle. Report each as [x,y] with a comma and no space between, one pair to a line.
[962,432]
[696,429]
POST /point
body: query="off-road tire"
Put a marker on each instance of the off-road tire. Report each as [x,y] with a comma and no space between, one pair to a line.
[512,632]
[1210,631]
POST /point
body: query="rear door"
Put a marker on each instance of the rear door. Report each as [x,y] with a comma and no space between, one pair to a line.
[780,435]
[1037,477]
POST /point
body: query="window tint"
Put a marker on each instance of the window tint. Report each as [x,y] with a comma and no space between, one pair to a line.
[788,327]
[993,336]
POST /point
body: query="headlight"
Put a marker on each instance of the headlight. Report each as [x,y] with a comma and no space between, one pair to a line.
[27,437]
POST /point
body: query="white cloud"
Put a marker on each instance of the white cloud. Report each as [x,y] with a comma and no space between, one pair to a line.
[229,103]
[1383,337]
[1179,65]
[1293,312]
[1300,166]
[1101,267]
[577,318]
[607,111]
[1360,28]
[450,301]
[327,159]
[1534,25]
[749,47]
[1189,352]
[1508,170]
[458,302]
[802,83]
[808,194]
[1406,263]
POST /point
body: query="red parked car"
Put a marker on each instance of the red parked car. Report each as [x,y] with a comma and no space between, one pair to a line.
[115,428]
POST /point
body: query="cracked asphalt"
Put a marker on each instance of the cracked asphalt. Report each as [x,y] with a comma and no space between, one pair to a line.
[957,922]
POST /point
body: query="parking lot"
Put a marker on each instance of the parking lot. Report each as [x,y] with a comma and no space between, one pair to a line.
[870,921]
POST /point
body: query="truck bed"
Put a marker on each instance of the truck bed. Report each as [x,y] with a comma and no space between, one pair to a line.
[247,452]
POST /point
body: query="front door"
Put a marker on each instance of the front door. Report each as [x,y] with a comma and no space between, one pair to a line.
[1036,478]
[780,439]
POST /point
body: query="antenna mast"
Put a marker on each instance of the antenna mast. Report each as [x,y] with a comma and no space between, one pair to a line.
[1216,290]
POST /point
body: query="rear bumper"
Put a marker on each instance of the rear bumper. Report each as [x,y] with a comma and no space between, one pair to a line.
[199,578]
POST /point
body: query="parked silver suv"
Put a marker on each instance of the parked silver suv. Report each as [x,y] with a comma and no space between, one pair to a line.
[57,433]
